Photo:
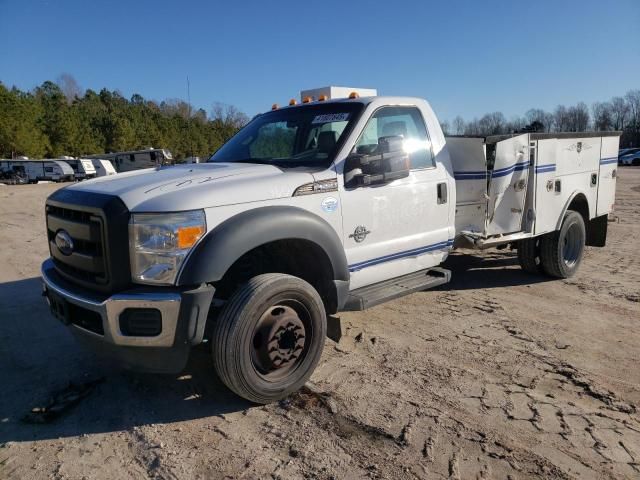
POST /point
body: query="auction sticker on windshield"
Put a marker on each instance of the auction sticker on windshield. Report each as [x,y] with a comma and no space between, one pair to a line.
[331,117]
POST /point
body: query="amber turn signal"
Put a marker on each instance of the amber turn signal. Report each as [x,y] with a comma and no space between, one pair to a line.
[188,236]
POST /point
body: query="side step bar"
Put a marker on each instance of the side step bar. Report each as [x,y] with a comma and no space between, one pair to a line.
[372,295]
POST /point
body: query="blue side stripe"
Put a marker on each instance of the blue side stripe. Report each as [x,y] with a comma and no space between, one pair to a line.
[518,167]
[546,168]
[469,175]
[481,175]
[501,172]
[394,256]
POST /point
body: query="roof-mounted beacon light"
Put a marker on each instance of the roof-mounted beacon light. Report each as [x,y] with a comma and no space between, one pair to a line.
[293,102]
[307,99]
[354,95]
[322,98]
[274,106]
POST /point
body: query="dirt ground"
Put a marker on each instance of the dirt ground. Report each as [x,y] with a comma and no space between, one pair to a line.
[499,374]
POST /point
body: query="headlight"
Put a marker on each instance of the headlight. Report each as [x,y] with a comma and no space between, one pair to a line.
[159,243]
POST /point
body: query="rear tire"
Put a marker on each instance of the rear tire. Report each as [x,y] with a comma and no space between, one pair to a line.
[562,250]
[529,255]
[269,337]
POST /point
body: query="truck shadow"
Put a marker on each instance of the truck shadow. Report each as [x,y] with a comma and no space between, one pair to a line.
[39,356]
[490,269]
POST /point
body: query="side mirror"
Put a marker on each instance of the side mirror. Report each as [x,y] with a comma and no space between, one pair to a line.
[388,162]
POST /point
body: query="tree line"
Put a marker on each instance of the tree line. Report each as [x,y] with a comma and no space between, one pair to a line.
[619,113]
[59,118]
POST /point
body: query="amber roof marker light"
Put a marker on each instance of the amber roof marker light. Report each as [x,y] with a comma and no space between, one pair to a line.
[307,100]
[293,102]
[322,98]
[274,106]
[354,95]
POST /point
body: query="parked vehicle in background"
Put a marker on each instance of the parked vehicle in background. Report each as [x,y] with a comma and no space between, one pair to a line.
[83,168]
[103,167]
[630,158]
[335,204]
[41,170]
[136,159]
[626,151]
[12,175]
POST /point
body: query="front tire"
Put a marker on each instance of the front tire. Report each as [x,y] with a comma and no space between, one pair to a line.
[269,337]
[562,251]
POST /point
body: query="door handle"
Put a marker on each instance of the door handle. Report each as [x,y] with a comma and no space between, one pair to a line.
[442,193]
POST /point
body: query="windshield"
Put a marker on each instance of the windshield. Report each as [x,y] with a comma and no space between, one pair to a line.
[308,135]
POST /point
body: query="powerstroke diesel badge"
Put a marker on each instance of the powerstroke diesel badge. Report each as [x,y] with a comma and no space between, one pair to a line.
[360,233]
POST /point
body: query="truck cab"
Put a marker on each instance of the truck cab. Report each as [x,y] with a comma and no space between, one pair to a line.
[317,207]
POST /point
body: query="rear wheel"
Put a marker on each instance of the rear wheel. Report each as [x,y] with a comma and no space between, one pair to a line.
[529,255]
[562,251]
[269,337]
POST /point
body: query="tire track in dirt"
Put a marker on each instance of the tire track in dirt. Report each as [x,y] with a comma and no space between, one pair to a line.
[564,406]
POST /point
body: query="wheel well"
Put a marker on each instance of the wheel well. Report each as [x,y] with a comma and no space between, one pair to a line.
[581,205]
[596,229]
[301,258]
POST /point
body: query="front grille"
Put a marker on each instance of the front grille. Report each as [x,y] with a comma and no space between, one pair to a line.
[87,262]
[98,226]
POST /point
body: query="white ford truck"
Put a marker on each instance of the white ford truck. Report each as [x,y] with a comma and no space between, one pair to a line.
[322,206]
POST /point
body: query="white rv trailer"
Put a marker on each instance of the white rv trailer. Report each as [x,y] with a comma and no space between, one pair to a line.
[103,167]
[136,159]
[83,168]
[43,169]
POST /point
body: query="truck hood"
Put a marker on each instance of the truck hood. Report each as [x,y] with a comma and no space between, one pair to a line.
[194,186]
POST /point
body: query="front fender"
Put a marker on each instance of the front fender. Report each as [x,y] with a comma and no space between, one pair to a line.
[226,243]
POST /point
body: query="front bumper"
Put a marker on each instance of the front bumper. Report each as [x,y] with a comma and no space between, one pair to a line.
[97,320]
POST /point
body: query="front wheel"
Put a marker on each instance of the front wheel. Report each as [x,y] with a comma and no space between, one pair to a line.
[269,337]
[562,251]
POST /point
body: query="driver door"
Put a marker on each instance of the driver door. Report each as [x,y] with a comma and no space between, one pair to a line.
[399,227]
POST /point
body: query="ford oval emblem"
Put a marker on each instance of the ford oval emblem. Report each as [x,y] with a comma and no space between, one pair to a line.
[64,242]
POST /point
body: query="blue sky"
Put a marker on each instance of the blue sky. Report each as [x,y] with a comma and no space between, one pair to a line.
[465,57]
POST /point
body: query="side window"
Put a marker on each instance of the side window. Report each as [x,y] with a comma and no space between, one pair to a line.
[406,122]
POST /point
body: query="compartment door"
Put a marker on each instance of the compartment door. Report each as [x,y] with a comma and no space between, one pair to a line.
[607,175]
[507,185]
